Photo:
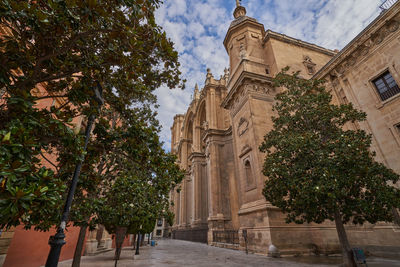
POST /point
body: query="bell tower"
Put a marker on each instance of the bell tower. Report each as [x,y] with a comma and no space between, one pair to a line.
[243,43]
[249,101]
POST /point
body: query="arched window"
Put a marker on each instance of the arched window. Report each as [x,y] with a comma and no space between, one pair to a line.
[249,172]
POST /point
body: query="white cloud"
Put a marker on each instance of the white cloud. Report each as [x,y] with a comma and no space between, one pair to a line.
[198,29]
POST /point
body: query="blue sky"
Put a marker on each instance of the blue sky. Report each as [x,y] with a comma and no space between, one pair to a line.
[198,28]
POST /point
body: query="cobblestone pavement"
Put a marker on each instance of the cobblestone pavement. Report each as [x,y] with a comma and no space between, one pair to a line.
[176,253]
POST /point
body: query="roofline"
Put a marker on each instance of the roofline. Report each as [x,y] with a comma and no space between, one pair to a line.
[291,40]
[338,58]
[242,23]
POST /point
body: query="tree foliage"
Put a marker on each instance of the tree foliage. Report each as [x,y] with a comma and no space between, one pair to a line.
[66,48]
[139,192]
[319,165]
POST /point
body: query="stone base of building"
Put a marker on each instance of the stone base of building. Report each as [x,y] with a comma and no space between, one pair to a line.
[269,228]
[5,241]
[98,241]
[93,248]
[194,235]
[2,259]
[225,245]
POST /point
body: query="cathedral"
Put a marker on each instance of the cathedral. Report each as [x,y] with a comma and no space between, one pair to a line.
[217,140]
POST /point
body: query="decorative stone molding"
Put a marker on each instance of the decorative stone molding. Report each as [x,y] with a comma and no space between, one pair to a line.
[246,149]
[205,125]
[209,76]
[242,52]
[290,40]
[259,88]
[226,74]
[359,48]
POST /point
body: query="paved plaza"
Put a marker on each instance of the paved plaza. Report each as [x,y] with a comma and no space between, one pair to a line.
[176,253]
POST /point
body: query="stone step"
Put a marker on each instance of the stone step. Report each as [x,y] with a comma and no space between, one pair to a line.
[99,251]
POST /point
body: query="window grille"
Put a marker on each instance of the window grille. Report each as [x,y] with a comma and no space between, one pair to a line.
[386,86]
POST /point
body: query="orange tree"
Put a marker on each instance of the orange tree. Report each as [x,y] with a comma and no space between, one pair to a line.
[318,170]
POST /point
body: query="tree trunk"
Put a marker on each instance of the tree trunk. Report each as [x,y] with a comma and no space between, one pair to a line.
[148,239]
[137,244]
[396,216]
[344,242]
[119,239]
[142,240]
[79,247]
[134,242]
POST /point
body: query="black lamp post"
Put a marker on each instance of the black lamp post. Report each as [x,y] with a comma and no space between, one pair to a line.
[57,241]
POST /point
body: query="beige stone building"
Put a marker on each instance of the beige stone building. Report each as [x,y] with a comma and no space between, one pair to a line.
[217,139]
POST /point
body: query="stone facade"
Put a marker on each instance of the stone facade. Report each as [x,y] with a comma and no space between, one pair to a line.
[97,241]
[217,140]
[5,240]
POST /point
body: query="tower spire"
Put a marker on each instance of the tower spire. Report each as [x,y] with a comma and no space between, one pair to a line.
[240,11]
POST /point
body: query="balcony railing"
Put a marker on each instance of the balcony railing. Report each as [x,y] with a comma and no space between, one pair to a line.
[226,236]
[387,4]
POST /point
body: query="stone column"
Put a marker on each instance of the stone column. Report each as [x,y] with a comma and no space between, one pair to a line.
[198,199]
[189,199]
[213,180]
[213,114]
[107,239]
[182,209]
[91,243]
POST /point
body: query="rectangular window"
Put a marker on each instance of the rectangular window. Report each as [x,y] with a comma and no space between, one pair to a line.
[158,233]
[386,86]
[159,222]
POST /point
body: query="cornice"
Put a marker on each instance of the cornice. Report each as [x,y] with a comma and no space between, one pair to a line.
[240,23]
[235,87]
[196,155]
[217,132]
[290,40]
[372,36]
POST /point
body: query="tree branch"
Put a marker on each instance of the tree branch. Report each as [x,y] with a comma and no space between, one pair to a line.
[51,96]
[57,169]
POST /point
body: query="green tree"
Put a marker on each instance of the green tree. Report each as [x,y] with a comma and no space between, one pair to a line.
[318,168]
[144,174]
[68,47]
[115,141]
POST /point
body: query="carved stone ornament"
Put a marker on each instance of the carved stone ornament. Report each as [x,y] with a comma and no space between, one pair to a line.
[363,49]
[209,76]
[242,126]
[243,52]
[307,59]
[205,125]
[257,88]
[309,64]
[207,152]
[245,149]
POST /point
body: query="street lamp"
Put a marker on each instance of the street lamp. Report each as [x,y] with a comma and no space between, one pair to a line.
[57,241]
